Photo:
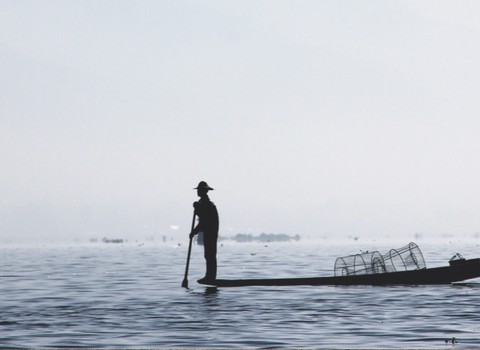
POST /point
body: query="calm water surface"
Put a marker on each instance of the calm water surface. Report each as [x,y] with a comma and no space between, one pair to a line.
[129,296]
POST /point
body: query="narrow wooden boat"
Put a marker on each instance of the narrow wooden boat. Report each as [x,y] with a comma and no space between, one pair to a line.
[404,265]
[458,270]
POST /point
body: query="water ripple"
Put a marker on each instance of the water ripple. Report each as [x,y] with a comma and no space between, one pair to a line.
[130,297]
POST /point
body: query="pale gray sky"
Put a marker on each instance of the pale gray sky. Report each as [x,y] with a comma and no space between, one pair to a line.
[318,118]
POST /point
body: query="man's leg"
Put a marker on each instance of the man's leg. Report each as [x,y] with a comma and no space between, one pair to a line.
[210,245]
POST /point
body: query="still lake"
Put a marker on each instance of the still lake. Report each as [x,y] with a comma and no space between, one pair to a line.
[129,295]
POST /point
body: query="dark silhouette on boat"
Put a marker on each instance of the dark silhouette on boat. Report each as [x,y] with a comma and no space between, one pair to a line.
[404,266]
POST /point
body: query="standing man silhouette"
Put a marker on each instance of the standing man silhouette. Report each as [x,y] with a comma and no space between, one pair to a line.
[208,224]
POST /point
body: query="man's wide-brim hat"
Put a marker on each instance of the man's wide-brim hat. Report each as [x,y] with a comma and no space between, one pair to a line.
[202,185]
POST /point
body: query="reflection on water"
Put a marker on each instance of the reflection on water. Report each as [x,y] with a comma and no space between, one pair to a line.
[131,296]
[211,290]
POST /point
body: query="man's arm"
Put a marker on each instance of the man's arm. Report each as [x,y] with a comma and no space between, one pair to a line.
[197,228]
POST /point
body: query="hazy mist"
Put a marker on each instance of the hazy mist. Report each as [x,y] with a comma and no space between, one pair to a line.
[317,118]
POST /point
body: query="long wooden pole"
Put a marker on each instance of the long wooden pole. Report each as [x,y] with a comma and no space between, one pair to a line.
[185,279]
